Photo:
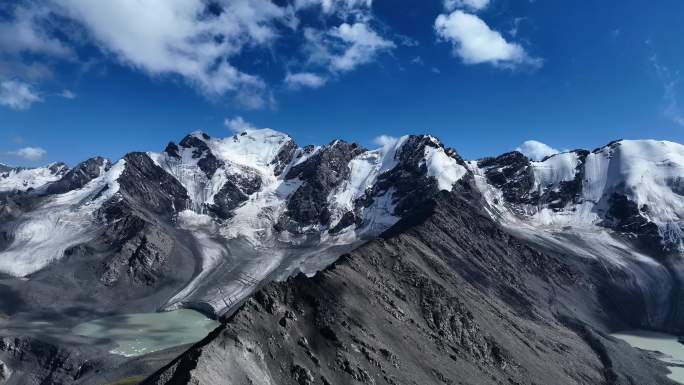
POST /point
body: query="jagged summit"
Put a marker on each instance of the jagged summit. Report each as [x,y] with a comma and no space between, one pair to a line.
[205,222]
[258,189]
[287,208]
[630,185]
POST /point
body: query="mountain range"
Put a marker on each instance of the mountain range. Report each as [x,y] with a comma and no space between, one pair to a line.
[333,264]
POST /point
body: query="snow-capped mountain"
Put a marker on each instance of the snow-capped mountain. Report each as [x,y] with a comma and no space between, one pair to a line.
[254,206]
[207,222]
[633,187]
[22,179]
[620,205]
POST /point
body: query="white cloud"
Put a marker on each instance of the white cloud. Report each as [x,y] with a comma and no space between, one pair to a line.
[30,153]
[17,95]
[305,79]
[362,45]
[385,140]
[341,7]
[474,42]
[67,94]
[198,41]
[473,5]
[25,34]
[238,124]
[182,37]
[345,47]
[671,108]
[536,150]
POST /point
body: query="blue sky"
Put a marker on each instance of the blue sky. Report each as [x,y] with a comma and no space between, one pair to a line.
[79,80]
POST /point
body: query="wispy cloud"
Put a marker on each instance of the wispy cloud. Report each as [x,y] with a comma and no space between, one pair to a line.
[670,81]
[18,95]
[29,153]
[238,124]
[67,94]
[385,140]
[472,5]
[204,43]
[305,79]
[345,47]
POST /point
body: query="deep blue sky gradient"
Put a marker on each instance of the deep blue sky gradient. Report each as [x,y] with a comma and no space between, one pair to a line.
[598,83]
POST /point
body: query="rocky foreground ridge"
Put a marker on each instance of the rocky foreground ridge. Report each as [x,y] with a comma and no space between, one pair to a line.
[452,271]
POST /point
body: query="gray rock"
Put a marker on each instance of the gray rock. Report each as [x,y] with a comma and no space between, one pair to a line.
[77,177]
[320,174]
[446,285]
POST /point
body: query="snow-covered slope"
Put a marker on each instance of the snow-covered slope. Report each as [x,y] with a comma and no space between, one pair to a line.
[621,205]
[632,186]
[242,211]
[255,205]
[61,221]
[22,179]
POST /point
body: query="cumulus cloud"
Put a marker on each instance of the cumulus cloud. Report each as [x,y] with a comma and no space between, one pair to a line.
[17,95]
[182,37]
[305,79]
[30,153]
[473,5]
[207,44]
[536,150]
[474,42]
[238,124]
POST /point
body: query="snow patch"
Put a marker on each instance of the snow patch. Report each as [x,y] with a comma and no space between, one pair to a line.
[442,167]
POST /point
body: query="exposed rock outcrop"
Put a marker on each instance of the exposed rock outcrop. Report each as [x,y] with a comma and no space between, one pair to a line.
[77,177]
[455,301]
[320,174]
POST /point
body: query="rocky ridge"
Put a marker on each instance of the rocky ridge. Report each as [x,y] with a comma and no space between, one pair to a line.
[184,227]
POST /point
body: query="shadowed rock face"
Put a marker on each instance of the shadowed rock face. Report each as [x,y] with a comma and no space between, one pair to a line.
[236,190]
[80,175]
[42,362]
[445,297]
[409,179]
[320,175]
[135,218]
[512,173]
[149,185]
[284,157]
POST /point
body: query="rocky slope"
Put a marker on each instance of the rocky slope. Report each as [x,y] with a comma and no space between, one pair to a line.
[444,297]
[485,253]
[620,204]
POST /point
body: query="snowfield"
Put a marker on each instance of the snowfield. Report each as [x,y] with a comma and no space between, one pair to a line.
[30,178]
[62,221]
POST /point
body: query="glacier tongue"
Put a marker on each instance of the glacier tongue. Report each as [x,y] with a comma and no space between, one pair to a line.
[61,221]
[243,250]
[234,198]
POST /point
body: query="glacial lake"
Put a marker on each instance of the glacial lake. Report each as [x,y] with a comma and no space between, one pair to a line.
[139,334]
[671,349]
